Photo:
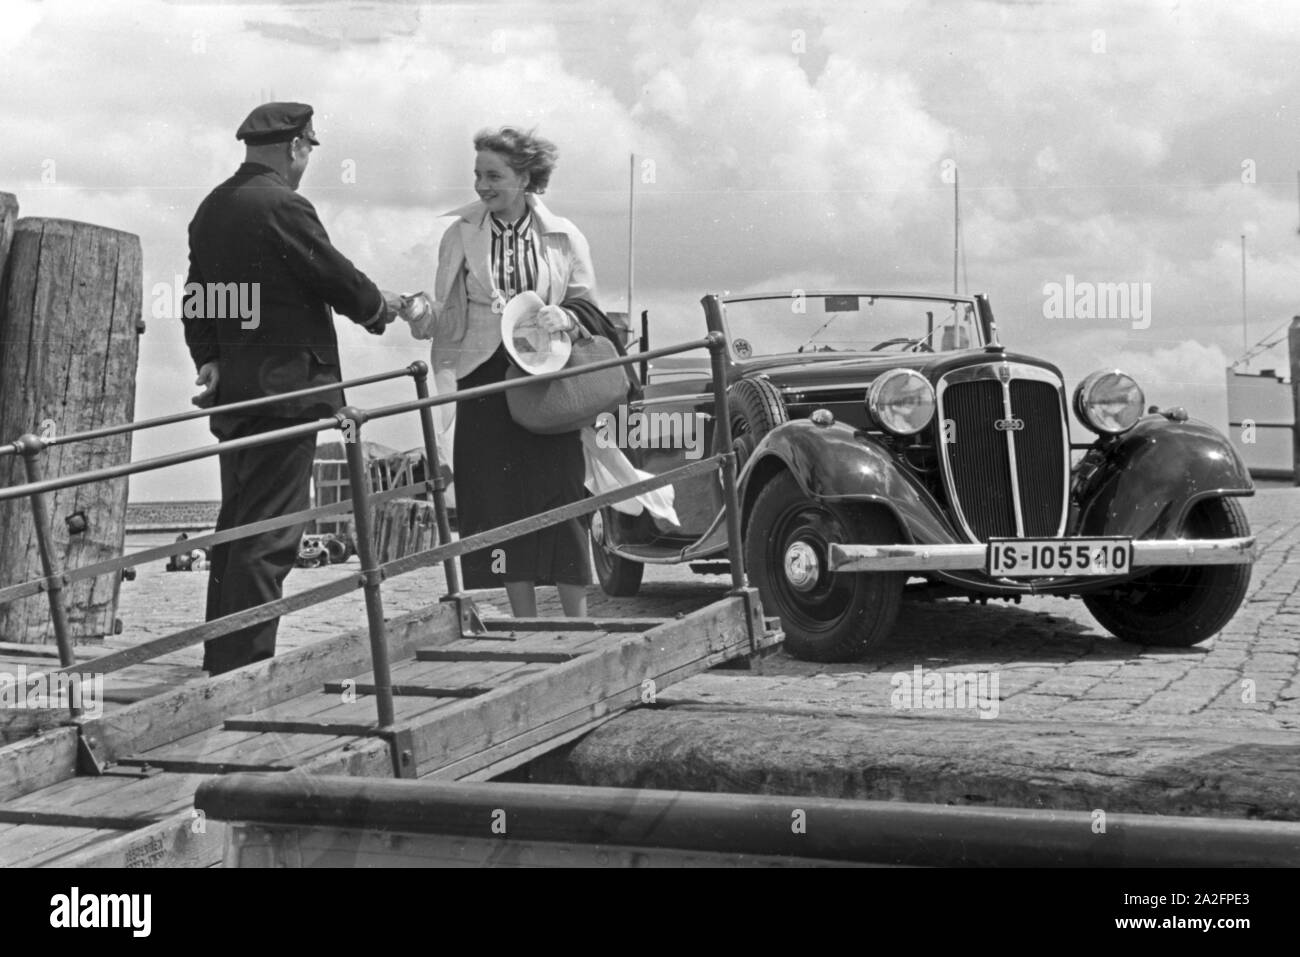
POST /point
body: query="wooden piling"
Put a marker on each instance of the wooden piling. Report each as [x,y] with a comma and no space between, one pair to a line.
[8,217]
[1293,341]
[70,320]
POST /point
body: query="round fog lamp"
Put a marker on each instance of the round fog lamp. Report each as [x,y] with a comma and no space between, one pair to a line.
[1109,402]
[902,401]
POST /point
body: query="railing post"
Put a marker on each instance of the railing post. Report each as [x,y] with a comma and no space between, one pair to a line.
[450,569]
[32,446]
[350,420]
[722,429]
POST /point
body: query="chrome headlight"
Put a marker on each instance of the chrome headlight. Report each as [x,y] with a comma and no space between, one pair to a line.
[1109,402]
[902,401]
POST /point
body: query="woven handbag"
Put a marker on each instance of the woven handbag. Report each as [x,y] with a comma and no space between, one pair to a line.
[566,405]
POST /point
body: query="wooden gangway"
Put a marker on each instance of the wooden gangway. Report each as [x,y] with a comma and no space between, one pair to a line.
[118,790]
[438,693]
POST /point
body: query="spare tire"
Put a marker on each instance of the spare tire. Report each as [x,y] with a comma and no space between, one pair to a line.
[755,408]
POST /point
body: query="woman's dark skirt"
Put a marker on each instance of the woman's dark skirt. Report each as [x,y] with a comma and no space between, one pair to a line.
[504,473]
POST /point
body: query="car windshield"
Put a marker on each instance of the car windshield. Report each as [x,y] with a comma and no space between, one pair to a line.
[822,322]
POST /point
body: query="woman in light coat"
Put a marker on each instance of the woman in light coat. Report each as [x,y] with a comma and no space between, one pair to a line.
[506,243]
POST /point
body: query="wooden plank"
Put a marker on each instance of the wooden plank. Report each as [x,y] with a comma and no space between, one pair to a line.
[412,709]
[35,763]
[354,848]
[181,840]
[526,657]
[278,749]
[536,742]
[221,749]
[477,723]
[80,795]
[610,625]
[135,797]
[208,765]
[519,750]
[302,726]
[425,691]
[73,819]
[178,841]
[322,710]
[31,845]
[204,704]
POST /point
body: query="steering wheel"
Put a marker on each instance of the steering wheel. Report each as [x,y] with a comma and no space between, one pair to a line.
[903,340]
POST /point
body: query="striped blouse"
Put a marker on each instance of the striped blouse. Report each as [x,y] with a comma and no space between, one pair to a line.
[514,255]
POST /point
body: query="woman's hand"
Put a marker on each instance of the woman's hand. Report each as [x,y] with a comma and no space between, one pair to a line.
[413,308]
[555,319]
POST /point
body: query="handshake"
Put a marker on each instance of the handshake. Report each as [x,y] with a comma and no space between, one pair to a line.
[411,308]
[391,309]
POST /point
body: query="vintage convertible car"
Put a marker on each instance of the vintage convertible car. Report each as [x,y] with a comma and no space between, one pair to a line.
[888,441]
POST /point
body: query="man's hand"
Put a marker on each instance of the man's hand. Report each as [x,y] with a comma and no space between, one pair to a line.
[209,375]
[387,313]
[392,306]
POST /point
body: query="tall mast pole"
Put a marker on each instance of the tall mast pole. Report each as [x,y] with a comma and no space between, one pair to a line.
[631,212]
[1245,341]
[956,225]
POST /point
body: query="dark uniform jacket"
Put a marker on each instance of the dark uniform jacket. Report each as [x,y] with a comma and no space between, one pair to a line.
[254,229]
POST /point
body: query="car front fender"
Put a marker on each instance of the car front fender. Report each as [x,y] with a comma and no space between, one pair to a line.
[1149,478]
[838,463]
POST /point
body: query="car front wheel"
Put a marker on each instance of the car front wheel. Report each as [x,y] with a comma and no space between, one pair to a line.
[619,577]
[825,616]
[1180,605]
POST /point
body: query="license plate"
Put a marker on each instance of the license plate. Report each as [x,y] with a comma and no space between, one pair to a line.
[1035,557]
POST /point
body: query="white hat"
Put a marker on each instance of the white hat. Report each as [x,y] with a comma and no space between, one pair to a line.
[533,350]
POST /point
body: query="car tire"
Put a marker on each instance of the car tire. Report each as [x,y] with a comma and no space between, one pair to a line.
[619,577]
[835,617]
[337,550]
[1178,606]
[755,408]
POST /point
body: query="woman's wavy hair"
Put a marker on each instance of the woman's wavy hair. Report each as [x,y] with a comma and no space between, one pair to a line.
[524,152]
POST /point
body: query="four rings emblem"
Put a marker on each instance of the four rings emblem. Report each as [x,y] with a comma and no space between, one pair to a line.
[1009,425]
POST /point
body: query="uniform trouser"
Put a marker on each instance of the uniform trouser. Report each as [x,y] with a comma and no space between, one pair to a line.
[256,484]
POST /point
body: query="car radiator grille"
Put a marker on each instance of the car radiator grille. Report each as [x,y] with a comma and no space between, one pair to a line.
[979,458]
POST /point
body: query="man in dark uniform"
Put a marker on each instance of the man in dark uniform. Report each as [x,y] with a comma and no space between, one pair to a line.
[263,278]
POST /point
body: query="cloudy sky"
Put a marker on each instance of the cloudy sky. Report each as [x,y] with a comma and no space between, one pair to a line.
[777,146]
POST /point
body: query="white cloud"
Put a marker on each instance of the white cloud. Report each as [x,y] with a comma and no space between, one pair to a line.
[774,167]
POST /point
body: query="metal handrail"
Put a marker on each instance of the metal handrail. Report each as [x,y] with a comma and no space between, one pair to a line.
[372,572]
[415,369]
[109,565]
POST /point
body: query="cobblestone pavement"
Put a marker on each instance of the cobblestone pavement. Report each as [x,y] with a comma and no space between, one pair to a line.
[1051,660]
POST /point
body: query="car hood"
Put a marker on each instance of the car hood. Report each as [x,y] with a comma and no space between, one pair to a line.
[795,372]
